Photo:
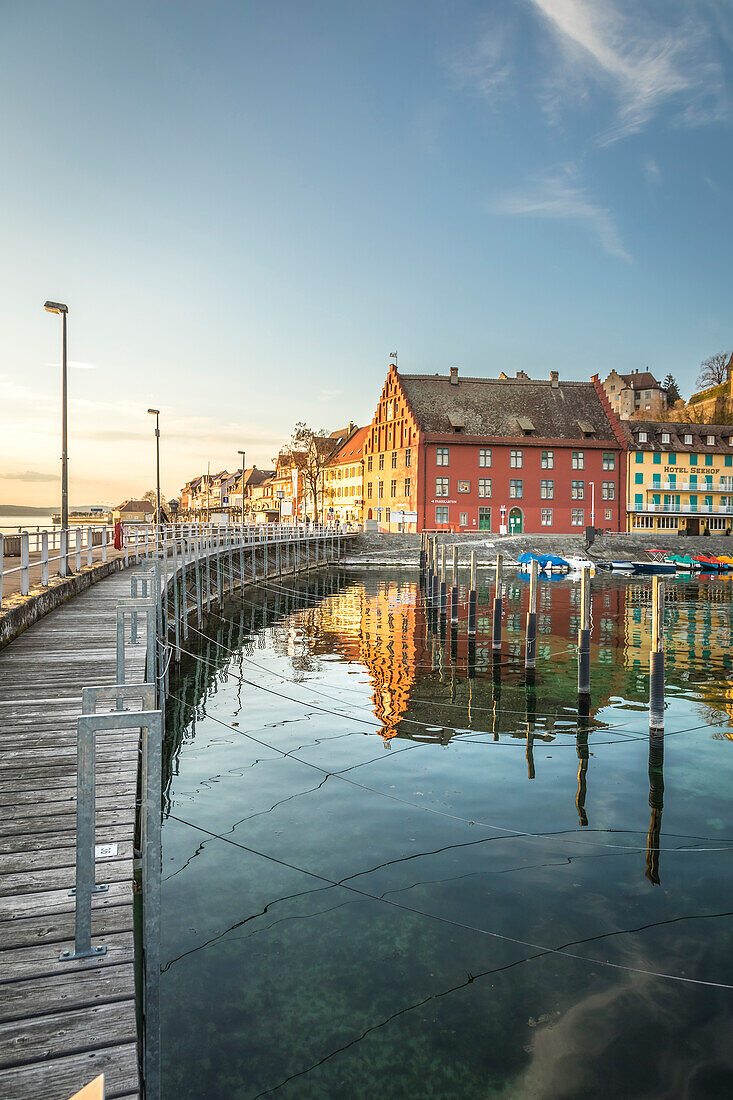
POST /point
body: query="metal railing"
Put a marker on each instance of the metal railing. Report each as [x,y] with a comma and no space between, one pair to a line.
[175,557]
[684,509]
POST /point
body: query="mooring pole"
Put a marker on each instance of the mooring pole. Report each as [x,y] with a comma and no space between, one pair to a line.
[584,634]
[656,658]
[454,590]
[472,596]
[530,655]
[656,802]
[498,607]
[443,586]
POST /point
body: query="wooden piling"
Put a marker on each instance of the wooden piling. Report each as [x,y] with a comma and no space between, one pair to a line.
[656,658]
[530,653]
[472,596]
[498,606]
[584,634]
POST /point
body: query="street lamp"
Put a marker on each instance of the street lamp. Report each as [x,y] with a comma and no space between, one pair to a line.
[242,453]
[156,414]
[58,307]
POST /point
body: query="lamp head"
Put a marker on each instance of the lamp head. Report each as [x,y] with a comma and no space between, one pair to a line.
[55,307]
[154,412]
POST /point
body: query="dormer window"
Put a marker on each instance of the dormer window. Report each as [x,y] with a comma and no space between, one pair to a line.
[688,440]
[711,441]
[665,437]
[642,437]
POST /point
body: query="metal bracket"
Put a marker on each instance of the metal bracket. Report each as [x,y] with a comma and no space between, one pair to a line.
[100,889]
[93,952]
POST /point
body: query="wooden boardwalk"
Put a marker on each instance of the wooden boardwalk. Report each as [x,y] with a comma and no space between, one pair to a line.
[62,1023]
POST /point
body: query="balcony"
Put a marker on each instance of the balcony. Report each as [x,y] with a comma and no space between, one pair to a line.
[684,509]
[690,486]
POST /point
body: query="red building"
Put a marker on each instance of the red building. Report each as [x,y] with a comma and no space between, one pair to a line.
[493,454]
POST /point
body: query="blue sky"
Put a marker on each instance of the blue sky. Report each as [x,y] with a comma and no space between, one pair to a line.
[247,206]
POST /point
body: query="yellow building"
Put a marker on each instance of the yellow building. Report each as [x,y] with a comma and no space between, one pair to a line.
[343,482]
[679,476]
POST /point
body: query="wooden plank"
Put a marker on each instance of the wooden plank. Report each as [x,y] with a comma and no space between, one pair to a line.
[50,1036]
[57,928]
[17,964]
[58,1078]
[47,902]
[25,883]
[64,991]
[16,863]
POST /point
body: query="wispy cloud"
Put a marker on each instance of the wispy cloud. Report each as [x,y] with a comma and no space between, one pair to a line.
[485,67]
[560,195]
[76,365]
[646,65]
[651,170]
[29,476]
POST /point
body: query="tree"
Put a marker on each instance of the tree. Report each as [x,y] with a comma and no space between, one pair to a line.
[151,495]
[309,453]
[672,390]
[713,370]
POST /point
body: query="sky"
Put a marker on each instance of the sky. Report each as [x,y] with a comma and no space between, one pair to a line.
[248,206]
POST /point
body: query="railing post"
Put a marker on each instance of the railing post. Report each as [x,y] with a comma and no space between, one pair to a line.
[79,534]
[64,552]
[24,564]
[104,544]
[90,546]
[44,559]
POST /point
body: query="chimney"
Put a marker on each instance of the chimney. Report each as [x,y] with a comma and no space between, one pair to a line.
[555,379]
[454,376]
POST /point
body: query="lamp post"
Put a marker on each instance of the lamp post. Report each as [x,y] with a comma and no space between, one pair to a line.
[58,307]
[156,414]
[242,453]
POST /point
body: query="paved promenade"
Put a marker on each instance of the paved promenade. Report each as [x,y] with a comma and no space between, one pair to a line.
[62,1023]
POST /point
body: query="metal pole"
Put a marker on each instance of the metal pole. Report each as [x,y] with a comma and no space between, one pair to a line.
[498,607]
[530,655]
[157,469]
[443,587]
[64,435]
[472,596]
[584,634]
[656,658]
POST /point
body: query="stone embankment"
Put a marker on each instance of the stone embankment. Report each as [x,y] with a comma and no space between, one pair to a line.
[397,549]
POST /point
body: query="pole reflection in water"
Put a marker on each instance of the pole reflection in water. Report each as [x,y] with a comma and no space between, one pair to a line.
[341,920]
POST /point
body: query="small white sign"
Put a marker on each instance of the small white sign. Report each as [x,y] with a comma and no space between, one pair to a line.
[105,851]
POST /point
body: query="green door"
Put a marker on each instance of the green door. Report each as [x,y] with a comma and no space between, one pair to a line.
[515,522]
[484,519]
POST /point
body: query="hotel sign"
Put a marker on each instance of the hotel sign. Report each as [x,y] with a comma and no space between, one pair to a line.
[443,500]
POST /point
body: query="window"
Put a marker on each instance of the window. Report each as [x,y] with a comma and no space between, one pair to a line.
[711,441]
[547,462]
[728,460]
[484,519]
[463,519]
[408,486]
[577,490]
[394,460]
[369,489]
[609,460]
[693,460]
[442,456]
[607,513]
[464,486]
[381,462]
[608,490]
[441,514]
[708,460]
[577,517]
[665,437]
[408,457]
[380,489]
[547,490]
[484,456]
[546,517]
[578,460]
[516,459]
[369,463]
[642,437]
[657,458]
[516,489]
[639,457]
[688,440]
[484,486]
[671,459]
[393,487]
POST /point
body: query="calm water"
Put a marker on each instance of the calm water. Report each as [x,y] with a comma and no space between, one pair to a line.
[495,883]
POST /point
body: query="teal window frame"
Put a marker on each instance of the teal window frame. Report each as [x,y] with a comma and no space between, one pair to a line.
[639,456]
[671,458]
[708,460]
[657,458]
[693,460]
[638,479]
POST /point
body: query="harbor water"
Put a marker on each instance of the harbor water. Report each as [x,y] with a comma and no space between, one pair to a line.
[394,866]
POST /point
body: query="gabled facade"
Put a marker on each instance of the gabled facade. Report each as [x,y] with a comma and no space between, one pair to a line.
[502,455]
[343,482]
[637,395]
